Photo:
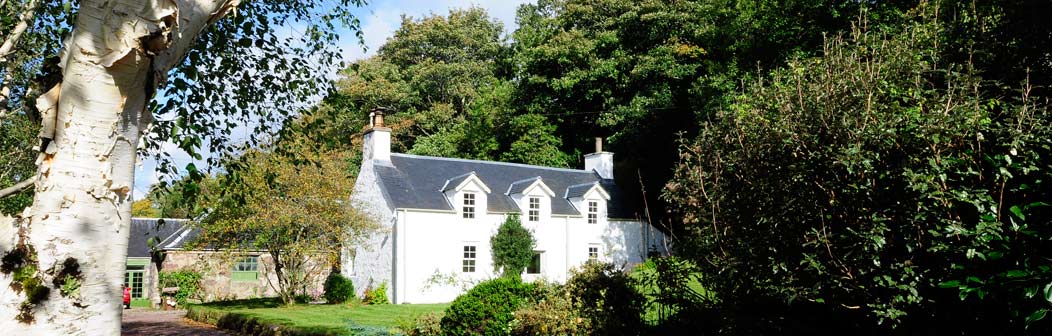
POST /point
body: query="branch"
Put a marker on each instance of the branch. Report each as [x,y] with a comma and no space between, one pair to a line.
[23,23]
[16,188]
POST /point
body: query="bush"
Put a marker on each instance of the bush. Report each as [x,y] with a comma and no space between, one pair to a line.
[189,283]
[429,324]
[377,296]
[607,297]
[364,330]
[338,288]
[877,184]
[487,308]
[512,247]
[554,313]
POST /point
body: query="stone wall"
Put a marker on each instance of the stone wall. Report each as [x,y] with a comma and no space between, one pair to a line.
[216,269]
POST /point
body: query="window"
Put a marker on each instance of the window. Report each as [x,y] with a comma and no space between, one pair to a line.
[535,263]
[246,269]
[593,253]
[593,212]
[133,278]
[469,205]
[535,209]
[469,259]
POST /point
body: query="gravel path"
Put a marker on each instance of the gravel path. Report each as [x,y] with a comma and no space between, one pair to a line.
[148,322]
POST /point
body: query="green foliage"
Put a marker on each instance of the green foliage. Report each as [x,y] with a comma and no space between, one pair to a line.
[606,296]
[512,247]
[487,308]
[643,72]
[144,208]
[288,200]
[553,313]
[377,296]
[17,138]
[189,283]
[873,186]
[338,289]
[428,324]
[364,330]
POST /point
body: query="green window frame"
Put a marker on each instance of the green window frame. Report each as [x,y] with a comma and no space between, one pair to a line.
[246,269]
[133,277]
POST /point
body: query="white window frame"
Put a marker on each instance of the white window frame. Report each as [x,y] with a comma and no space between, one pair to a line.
[533,209]
[469,205]
[593,252]
[593,212]
[469,260]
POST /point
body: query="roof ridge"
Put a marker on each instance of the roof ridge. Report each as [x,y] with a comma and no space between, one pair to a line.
[523,165]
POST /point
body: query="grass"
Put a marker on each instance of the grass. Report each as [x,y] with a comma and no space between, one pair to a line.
[308,319]
[140,303]
[656,312]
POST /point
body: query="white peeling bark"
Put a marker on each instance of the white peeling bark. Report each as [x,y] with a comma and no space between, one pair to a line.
[119,51]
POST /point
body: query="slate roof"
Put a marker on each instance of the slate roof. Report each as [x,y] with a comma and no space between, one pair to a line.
[579,190]
[453,182]
[157,230]
[416,182]
[520,186]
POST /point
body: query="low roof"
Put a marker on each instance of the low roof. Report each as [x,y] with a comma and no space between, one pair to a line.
[414,182]
[148,233]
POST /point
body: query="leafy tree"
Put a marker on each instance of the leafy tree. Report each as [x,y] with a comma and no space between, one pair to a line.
[16,162]
[446,82]
[294,208]
[512,247]
[145,208]
[877,186]
[645,73]
[187,197]
[94,102]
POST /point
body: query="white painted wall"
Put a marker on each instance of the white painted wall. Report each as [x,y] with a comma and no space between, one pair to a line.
[371,263]
[430,267]
[419,253]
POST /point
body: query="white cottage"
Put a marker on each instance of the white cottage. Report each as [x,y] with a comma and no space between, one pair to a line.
[438,215]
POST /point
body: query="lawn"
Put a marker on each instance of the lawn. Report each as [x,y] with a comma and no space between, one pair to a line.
[313,318]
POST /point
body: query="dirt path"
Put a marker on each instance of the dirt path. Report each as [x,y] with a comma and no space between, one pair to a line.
[148,322]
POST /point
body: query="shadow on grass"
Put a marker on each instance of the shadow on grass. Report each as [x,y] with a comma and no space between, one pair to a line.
[222,315]
[245,304]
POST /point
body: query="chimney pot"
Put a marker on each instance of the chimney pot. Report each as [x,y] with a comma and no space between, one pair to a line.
[376,117]
[598,144]
[377,138]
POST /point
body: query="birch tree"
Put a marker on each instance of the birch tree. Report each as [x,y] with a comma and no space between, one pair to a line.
[63,258]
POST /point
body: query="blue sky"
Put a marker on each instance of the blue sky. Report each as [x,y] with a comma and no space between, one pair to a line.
[379,21]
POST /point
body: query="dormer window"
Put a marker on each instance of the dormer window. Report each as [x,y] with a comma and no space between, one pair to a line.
[535,209]
[593,212]
[469,205]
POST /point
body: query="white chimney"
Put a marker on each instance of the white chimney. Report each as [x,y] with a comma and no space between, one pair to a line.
[601,162]
[377,144]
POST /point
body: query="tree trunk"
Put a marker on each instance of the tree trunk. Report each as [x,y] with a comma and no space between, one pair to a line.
[63,260]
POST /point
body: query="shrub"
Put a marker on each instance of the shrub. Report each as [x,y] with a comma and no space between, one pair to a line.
[487,308]
[554,313]
[377,295]
[512,247]
[189,283]
[338,288]
[428,324]
[364,330]
[607,297]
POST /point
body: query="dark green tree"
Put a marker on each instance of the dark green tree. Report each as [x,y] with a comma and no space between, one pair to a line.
[876,186]
[512,248]
[645,73]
